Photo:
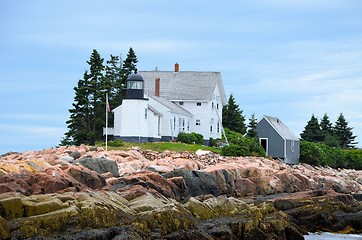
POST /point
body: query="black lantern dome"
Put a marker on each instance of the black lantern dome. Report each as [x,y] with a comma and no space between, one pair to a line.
[135,87]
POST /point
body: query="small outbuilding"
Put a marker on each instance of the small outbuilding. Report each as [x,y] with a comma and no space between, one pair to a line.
[277,140]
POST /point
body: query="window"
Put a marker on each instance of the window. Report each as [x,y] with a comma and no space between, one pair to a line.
[174,123]
[134,84]
[212,105]
[181,103]
[217,105]
[159,126]
[198,104]
[292,146]
[180,124]
[198,122]
[183,124]
[218,127]
[211,123]
[145,113]
[188,126]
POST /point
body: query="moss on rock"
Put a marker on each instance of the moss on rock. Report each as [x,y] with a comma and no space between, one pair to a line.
[11,208]
[165,221]
[4,229]
[199,209]
[37,208]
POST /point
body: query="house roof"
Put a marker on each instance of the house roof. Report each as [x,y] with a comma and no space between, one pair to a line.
[172,106]
[281,128]
[184,85]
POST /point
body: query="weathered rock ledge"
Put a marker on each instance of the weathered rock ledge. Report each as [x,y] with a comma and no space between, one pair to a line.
[74,192]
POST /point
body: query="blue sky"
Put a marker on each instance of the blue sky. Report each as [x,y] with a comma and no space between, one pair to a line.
[288,59]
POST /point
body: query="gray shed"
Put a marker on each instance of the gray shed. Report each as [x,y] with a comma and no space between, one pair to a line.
[277,140]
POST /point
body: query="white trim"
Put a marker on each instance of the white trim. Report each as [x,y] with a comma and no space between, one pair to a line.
[267,145]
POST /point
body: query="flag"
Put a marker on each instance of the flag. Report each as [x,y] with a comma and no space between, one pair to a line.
[107,104]
[108,108]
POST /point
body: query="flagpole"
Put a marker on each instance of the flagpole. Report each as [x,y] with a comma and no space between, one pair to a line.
[107,121]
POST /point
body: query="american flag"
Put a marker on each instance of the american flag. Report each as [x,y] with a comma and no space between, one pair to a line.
[107,103]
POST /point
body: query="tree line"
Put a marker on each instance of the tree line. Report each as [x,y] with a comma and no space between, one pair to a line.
[87,115]
[338,135]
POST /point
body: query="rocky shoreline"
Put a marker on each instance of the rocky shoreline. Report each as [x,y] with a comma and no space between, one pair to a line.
[88,193]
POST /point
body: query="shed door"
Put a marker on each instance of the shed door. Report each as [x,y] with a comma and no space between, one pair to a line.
[264,144]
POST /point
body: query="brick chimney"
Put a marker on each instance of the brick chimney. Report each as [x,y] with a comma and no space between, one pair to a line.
[157,87]
[177,67]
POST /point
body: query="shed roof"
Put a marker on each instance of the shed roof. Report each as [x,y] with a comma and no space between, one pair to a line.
[281,128]
[172,106]
[184,85]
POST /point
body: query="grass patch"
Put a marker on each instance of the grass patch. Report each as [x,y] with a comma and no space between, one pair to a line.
[162,146]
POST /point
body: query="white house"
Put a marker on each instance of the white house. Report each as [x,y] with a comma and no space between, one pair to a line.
[161,104]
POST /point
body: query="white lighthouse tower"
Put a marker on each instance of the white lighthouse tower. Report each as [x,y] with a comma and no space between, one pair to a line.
[133,125]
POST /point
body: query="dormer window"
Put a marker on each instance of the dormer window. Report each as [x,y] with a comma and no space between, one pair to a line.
[198,104]
[181,103]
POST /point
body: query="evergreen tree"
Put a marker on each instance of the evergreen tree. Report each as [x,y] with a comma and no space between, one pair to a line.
[96,97]
[87,117]
[344,133]
[326,126]
[130,63]
[328,135]
[252,127]
[78,123]
[113,84]
[312,131]
[232,117]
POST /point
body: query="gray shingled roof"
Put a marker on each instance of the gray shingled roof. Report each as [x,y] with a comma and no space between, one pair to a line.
[172,106]
[281,128]
[184,85]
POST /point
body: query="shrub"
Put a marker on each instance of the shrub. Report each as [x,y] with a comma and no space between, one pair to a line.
[190,138]
[215,142]
[241,146]
[324,155]
[116,143]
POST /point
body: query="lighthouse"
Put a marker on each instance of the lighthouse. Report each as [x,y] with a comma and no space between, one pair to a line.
[133,124]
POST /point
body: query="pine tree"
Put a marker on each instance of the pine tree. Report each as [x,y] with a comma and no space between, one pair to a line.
[78,123]
[252,127]
[344,133]
[113,84]
[312,131]
[96,97]
[87,117]
[130,63]
[328,135]
[232,117]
